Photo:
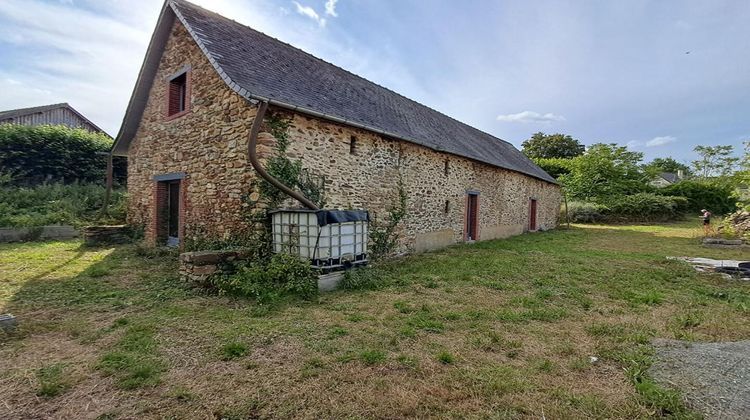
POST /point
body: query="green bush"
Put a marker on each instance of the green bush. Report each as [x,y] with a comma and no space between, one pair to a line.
[641,207]
[42,154]
[555,166]
[283,274]
[75,204]
[645,207]
[716,196]
[582,212]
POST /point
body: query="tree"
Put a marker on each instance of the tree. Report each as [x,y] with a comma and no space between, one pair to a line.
[546,146]
[554,166]
[714,161]
[667,164]
[605,171]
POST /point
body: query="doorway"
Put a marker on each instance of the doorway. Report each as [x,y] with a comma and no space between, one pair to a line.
[173,213]
[532,214]
[472,216]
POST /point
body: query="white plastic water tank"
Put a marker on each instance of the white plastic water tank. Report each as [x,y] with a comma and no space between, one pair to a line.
[330,239]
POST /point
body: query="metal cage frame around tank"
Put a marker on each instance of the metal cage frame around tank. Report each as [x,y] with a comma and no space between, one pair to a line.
[319,235]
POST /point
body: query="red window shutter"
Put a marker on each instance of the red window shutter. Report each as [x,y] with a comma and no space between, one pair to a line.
[177,95]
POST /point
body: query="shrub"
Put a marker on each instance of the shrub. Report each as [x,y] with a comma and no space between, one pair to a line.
[283,274]
[582,212]
[41,154]
[716,196]
[645,207]
[75,204]
[641,207]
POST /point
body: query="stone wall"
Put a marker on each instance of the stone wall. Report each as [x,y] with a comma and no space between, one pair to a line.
[196,268]
[208,143]
[209,146]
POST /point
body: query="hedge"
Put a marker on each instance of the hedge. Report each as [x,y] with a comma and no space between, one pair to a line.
[715,196]
[55,154]
[641,207]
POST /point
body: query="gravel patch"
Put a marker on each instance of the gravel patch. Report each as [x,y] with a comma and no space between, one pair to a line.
[713,377]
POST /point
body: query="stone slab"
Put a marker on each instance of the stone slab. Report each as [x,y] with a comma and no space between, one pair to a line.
[714,377]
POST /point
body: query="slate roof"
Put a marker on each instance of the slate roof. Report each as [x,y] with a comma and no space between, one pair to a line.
[670,177]
[260,67]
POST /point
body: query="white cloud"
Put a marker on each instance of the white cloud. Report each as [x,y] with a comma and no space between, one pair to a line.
[660,141]
[633,144]
[52,61]
[530,117]
[311,13]
[331,8]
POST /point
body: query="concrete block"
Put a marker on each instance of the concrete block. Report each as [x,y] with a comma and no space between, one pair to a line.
[329,282]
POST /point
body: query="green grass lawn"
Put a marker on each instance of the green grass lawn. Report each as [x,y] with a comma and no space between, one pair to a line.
[502,329]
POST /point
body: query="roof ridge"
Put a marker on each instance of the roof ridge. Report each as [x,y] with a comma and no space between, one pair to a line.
[36,107]
[336,66]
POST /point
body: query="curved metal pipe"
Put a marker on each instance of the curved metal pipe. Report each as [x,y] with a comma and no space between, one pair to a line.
[253,156]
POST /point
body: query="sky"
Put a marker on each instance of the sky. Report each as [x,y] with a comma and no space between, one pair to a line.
[659,76]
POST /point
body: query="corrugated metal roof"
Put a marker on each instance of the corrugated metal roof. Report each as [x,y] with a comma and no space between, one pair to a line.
[13,113]
[20,112]
[261,67]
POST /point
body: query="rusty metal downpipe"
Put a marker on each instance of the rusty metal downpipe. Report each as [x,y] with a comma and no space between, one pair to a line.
[253,156]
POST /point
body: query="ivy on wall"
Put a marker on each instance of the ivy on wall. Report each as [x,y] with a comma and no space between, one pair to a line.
[384,233]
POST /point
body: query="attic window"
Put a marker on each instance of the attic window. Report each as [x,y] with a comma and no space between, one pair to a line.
[178,95]
[353,145]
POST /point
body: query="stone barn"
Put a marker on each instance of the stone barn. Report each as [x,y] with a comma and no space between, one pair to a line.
[188,124]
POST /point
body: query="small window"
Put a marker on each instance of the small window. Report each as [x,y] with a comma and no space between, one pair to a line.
[447,207]
[353,145]
[178,100]
[447,167]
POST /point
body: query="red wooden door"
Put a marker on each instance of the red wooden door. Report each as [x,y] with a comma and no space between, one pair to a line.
[532,215]
[472,217]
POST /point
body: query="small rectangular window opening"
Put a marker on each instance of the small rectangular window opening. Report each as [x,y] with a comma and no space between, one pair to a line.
[446,167]
[178,94]
[353,145]
[447,206]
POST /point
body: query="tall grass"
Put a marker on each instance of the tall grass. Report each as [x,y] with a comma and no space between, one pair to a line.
[74,204]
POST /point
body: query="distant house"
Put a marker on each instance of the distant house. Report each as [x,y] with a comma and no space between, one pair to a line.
[55,114]
[666,179]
